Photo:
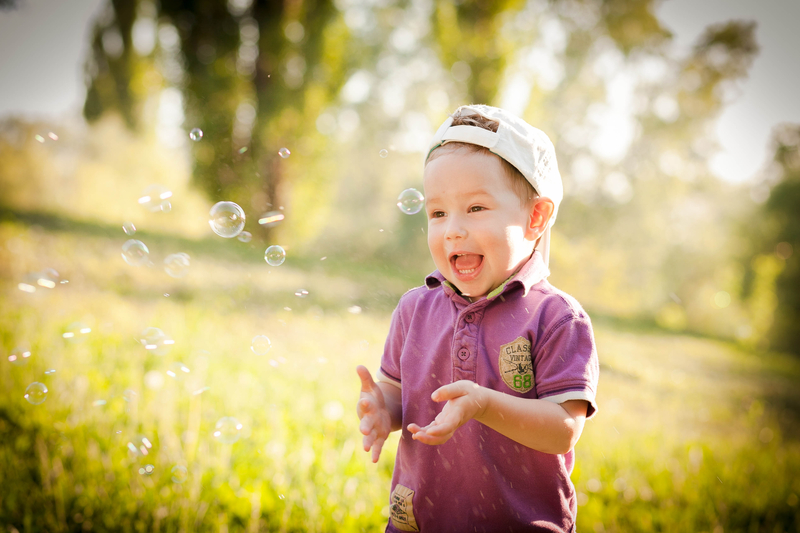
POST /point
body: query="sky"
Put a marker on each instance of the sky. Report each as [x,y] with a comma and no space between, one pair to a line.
[42,75]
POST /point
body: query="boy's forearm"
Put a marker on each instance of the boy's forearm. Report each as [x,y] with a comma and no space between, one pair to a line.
[539,424]
[394,403]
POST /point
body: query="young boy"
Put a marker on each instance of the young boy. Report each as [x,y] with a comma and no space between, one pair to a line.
[488,370]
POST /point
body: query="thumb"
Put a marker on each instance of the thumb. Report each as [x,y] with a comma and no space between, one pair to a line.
[451,391]
[367,384]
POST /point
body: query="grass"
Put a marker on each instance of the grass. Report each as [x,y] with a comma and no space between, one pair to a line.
[693,434]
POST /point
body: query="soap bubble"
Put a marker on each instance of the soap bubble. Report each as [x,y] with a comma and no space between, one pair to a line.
[196,134]
[410,201]
[227,430]
[130,396]
[302,293]
[140,445]
[135,253]
[179,474]
[177,371]
[226,219]
[76,332]
[245,236]
[166,207]
[384,153]
[47,278]
[275,255]
[36,393]
[49,371]
[177,265]
[260,345]
[271,219]
[129,228]
[284,153]
[146,470]
[19,356]
[156,341]
[154,198]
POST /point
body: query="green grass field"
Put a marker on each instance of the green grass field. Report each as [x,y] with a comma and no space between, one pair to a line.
[693,434]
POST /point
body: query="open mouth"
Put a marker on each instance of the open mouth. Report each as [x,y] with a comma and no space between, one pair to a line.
[465,265]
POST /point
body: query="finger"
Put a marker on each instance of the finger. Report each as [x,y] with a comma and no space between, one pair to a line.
[367,384]
[413,428]
[364,406]
[433,440]
[376,449]
[449,392]
[369,440]
[367,425]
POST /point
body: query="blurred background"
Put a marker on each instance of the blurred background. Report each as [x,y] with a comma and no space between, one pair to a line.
[160,374]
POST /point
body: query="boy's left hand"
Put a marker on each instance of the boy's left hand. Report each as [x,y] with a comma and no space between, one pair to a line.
[465,400]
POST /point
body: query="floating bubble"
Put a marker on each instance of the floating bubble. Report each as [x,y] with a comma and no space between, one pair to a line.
[177,265]
[227,430]
[226,219]
[39,138]
[284,153]
[156,341]
[76,332]
[99,403]
[384,153]
[271,219]
[146,470]
[166,207]
[36,393]
[140,445]
[135,253]
[302,293]
[245,236]
[154,198]
[410,201]
[196,134]
[48,278]
[179,474]
[261,345]
[129,228]
[243,149]
[53,136]
[354,309]
[49,371]
[19,356]
[130,396]
[275,255]
[177,371]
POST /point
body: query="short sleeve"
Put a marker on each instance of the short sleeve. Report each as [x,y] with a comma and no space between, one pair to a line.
[566,365]
[390,362]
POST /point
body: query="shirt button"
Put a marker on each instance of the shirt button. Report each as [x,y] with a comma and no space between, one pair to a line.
[463,354]
[470,318]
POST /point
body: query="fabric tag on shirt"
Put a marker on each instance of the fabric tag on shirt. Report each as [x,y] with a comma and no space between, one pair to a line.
[402,509]
[515,364]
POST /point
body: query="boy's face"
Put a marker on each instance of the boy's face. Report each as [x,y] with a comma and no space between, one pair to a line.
[478,233]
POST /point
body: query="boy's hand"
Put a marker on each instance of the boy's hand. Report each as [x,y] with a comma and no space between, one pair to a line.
[465,400]
[376,421]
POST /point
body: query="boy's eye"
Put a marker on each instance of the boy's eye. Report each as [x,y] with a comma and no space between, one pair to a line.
[437,214]
[476,208]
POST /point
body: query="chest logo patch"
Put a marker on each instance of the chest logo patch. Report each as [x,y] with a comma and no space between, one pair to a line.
[516,365]
[402,509]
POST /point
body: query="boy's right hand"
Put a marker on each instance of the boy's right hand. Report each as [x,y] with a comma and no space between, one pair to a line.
[376,421]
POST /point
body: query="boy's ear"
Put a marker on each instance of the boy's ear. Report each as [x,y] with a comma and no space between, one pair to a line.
[540,212]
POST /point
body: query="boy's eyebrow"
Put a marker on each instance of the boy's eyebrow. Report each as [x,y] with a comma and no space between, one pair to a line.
[476,192]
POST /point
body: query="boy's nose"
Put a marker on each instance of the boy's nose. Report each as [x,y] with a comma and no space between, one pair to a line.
[455,229]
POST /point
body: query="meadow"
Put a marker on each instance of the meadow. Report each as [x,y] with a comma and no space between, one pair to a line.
[692,433]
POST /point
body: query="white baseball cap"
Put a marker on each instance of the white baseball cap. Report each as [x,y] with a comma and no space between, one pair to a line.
[527,148]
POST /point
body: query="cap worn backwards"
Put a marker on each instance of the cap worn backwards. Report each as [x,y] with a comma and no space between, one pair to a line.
[527,148]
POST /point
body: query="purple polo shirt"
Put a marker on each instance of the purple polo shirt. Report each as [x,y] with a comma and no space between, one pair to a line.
[527,339]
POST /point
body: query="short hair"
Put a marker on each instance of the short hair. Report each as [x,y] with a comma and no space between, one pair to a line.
[521,186]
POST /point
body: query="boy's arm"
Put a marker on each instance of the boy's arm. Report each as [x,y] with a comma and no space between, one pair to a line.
[539,424]
[380,410]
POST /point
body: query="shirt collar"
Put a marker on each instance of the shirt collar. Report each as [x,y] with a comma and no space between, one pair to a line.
[531,273]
